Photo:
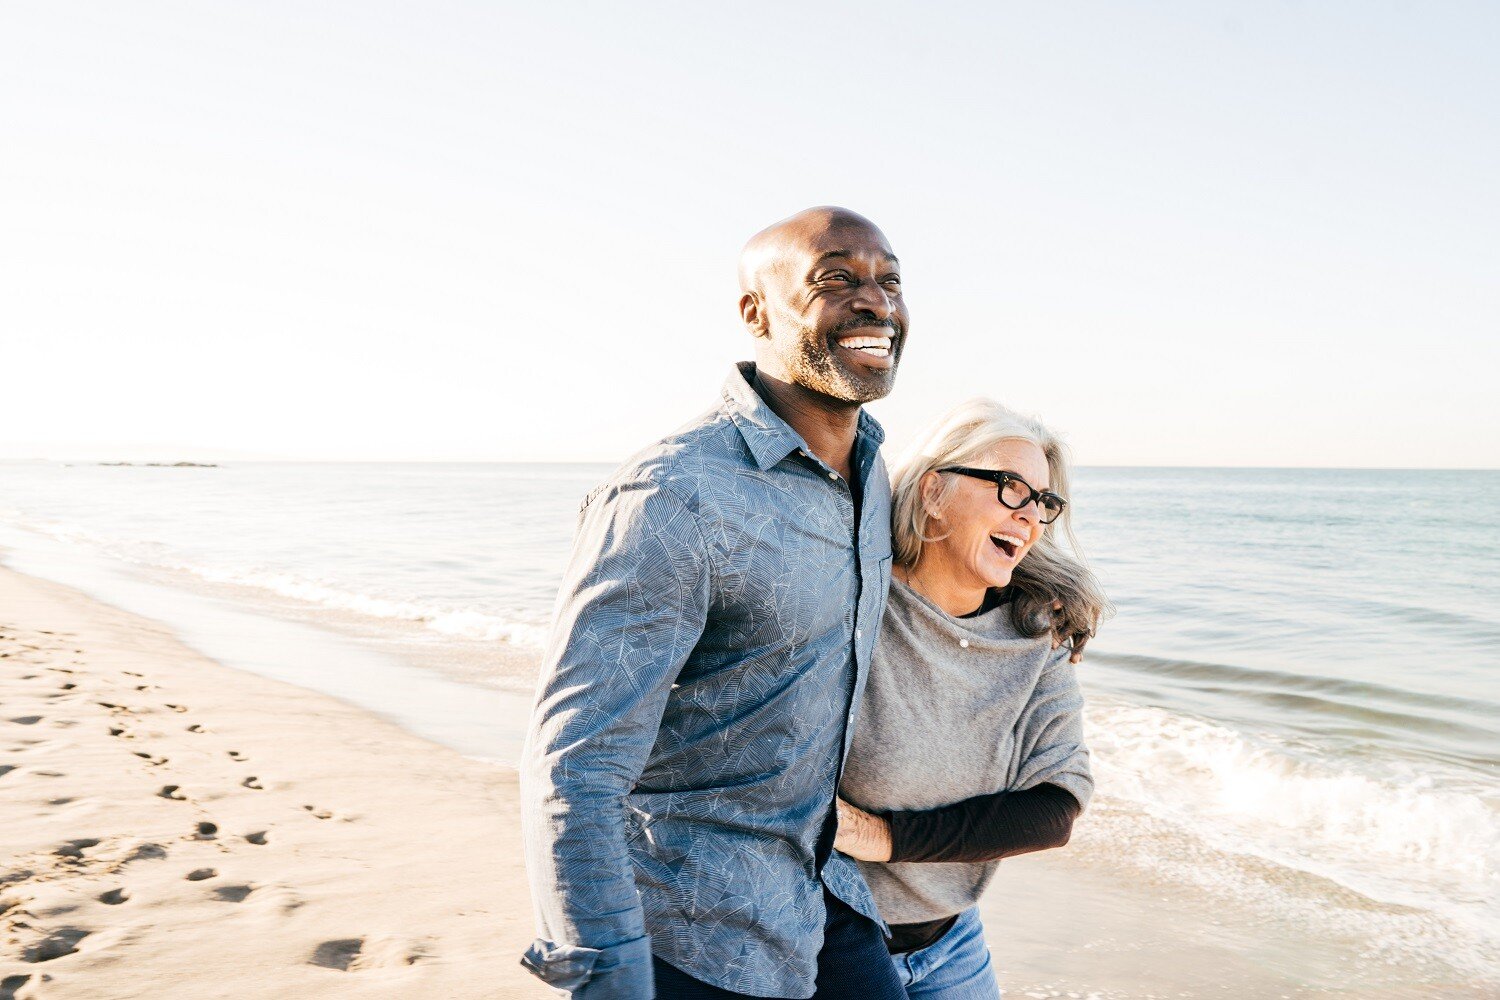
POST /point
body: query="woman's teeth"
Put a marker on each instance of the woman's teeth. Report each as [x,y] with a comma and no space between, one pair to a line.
[879,347]
[1009,544]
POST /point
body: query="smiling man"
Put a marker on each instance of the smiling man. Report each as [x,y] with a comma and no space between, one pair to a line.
[711,643]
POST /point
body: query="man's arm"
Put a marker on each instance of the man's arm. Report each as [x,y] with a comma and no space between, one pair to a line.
[632,607]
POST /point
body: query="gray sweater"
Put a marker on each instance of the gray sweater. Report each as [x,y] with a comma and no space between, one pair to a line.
[954,708]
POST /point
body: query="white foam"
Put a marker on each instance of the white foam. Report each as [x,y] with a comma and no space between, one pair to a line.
[1381,828]
[465,623]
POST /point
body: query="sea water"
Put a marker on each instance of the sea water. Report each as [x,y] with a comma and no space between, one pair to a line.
[1300,687]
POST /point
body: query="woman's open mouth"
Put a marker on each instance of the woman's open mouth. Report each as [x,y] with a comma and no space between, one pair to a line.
[1009,544]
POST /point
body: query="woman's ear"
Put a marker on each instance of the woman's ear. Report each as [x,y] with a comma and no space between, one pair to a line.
[932,486]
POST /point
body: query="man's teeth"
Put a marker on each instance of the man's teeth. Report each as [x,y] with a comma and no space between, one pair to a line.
[880,347]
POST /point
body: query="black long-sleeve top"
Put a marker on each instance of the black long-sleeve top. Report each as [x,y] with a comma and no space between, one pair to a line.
[983,828]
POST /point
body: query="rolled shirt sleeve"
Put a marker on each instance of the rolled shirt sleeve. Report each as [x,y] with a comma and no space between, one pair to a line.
[632,607]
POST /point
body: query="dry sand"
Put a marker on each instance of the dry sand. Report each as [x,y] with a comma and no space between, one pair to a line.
[170,827]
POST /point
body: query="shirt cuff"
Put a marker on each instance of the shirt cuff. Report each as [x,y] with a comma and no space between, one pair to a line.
[619,972]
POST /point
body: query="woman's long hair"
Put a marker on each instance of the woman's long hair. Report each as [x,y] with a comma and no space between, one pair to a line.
[1054,571]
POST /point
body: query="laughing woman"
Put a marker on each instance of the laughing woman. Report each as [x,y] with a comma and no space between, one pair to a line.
[969,746]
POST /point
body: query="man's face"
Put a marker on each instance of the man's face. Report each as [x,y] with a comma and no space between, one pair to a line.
[835,319]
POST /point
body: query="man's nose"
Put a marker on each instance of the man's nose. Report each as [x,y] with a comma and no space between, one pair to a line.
[872,298]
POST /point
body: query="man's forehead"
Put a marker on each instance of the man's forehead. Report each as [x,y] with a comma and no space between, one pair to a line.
[847,241]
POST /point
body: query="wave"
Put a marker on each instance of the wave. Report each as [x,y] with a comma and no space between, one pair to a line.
[1460,729]
[465,623]
[446,620]
[1389,830]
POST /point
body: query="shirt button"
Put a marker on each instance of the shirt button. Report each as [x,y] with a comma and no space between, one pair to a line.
[964,643]
[859,633]
[833,475]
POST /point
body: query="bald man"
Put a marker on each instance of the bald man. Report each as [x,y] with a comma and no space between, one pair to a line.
[712,637]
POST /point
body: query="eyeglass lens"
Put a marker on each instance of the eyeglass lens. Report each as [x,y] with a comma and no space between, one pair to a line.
[1015,494]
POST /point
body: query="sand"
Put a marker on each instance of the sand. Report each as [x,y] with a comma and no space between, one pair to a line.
[170,827]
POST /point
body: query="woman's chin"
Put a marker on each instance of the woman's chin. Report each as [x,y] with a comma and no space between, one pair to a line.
[998,578]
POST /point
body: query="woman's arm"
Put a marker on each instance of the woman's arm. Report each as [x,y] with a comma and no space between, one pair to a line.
[984,828]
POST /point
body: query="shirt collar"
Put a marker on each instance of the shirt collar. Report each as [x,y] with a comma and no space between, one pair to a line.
[769,438]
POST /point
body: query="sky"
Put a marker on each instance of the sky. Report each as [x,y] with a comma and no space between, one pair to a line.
[1196,233]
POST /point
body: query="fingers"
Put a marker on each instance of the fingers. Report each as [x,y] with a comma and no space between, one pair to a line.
[1080,640]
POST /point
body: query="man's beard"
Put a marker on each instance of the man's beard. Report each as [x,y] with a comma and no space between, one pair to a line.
[814,364]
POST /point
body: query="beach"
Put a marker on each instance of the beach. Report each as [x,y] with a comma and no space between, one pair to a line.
[259,726]
[177,828]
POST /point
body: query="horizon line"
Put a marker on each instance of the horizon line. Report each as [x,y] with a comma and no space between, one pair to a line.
[615,462]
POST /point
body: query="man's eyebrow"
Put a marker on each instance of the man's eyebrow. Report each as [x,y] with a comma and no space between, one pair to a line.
[845,255]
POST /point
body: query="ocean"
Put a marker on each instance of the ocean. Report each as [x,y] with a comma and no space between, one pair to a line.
[1297,702]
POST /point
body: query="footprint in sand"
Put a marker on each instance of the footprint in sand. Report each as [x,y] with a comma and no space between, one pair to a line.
[172,792]
[253,782]
[15,988]
[146,852]
[121,732]
[199,874]
[26,720]
[6,769]
[195,728]
[73,850]
[257,838]
[358,954]
[177,708]
[153,761]
[320,813]
[54,944]
[206,831]
[114,897]
[277,896]
[233,893]
[236,755]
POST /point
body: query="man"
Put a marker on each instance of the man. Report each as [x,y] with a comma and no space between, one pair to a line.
[712,636]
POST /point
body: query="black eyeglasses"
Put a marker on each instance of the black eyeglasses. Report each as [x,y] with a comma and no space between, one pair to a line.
[1015,492]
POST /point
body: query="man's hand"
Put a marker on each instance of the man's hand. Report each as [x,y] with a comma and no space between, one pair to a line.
[1079,639]
[862,835]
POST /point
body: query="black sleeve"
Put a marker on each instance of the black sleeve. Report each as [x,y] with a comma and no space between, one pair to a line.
[987,827]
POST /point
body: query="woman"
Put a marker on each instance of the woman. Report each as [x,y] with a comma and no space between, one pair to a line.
[969,746]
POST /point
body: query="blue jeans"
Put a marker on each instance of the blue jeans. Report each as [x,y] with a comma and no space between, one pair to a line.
[954,967]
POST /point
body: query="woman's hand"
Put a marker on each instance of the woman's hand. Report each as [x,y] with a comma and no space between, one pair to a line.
[1079,639]
[862,835]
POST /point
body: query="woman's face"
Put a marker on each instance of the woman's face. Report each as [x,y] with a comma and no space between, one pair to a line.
[983,539]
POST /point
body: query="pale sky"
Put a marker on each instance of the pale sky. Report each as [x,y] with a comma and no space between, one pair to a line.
[1196,233]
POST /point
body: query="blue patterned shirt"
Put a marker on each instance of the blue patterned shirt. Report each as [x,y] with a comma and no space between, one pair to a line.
[712,637]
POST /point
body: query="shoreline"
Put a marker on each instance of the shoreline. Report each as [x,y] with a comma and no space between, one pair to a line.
[380,864]
[175,827]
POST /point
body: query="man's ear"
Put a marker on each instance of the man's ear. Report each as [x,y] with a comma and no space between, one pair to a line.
[932,485]
[752,314]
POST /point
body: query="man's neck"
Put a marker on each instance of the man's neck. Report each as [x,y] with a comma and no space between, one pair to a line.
[828,427]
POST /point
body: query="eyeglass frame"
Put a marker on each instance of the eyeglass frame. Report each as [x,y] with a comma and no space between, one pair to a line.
[999,477]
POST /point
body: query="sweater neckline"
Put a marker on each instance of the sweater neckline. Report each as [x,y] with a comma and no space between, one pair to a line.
[992,624]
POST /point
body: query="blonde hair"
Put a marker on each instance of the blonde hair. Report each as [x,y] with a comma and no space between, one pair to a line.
[1052,571]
